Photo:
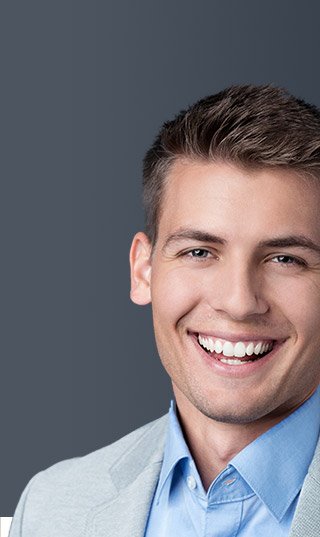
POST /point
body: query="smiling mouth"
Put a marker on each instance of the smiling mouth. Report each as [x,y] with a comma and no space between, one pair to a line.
[235,353]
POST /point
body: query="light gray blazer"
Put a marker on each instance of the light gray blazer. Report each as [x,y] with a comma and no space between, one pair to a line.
[108,493]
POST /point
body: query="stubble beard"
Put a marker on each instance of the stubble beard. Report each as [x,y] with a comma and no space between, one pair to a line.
[239,415]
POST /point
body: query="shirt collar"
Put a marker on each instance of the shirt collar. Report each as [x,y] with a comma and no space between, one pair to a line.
[175,449]
[274,465]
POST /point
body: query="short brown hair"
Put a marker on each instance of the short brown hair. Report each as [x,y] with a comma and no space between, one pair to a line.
[252,126]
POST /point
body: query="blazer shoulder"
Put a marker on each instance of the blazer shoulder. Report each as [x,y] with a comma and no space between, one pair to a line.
[100,461]
[80,484]
[92,471]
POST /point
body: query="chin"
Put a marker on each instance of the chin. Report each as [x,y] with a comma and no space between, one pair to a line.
[230,417]
[232,413]
[235,418]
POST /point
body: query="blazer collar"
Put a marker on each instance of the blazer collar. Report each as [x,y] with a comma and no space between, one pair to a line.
[134,476]
[306,521]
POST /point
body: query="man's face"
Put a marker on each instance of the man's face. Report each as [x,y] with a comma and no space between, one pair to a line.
[233,271]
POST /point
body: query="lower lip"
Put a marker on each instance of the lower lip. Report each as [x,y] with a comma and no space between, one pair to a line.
[239,371]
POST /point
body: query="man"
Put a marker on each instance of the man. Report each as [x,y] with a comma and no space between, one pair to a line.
[231,264]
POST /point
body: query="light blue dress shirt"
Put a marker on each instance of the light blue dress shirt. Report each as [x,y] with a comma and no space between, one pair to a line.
[254,496]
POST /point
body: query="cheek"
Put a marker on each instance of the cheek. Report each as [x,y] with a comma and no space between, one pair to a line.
[299,302]
[174,293]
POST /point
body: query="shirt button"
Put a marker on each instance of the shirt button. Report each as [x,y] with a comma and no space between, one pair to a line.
[191,482]
[230,481]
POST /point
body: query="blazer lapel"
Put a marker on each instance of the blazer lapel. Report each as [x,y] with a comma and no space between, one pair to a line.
[127,514]
[306,521]
[135,478]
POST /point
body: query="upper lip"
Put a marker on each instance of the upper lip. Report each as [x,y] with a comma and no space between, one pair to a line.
[227,336]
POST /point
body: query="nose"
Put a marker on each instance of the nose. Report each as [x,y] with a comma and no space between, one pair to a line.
[238,292]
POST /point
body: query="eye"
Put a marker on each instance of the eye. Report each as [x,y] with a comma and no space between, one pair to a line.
[288,260]
[198,253]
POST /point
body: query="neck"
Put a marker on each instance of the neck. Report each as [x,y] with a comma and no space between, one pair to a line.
[213,444]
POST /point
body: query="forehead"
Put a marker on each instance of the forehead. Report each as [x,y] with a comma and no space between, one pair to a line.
[221,196]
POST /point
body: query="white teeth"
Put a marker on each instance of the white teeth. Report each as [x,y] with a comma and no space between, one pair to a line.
[250,349]
[237,350]
[233,362]
[206,343]
[228,349]
[257,348]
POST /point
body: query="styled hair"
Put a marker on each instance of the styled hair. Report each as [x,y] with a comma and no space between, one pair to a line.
[250,126]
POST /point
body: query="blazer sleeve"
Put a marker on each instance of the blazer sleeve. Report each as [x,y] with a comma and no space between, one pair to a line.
[18,528]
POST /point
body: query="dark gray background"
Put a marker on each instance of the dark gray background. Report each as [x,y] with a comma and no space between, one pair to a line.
[84,87]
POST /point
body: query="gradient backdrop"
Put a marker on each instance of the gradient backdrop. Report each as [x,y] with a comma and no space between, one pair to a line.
[84,87]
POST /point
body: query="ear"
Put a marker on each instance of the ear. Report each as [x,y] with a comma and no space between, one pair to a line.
[140,264]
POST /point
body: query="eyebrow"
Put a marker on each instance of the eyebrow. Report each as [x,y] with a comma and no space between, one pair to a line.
[192,234]
[297,241]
